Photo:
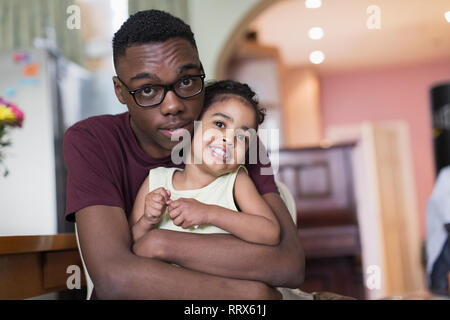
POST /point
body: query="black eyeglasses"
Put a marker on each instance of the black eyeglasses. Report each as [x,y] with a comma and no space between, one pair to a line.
[153,94]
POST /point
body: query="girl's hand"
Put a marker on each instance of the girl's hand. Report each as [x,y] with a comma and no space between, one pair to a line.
[155,204]
[188,212]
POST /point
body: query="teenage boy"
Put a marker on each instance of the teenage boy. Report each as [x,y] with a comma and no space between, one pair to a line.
[108,157]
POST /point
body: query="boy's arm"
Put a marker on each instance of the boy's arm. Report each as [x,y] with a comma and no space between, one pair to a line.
[119,274]
[228,256]
[139,203]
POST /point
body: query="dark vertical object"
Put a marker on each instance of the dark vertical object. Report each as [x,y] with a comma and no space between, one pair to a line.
[56,70]
[441,268]
[440,107]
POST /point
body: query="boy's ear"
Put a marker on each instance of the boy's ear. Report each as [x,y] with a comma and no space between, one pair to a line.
[118,90]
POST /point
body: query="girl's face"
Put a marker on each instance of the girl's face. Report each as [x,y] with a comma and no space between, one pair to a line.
[221,144]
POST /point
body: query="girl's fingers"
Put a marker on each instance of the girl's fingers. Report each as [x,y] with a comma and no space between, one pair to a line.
[178,221]
[149,214]
[156,206]
[157,191]
[162,195]
[160,200]
[186,225]
[174,213]
[173,204]
[152,208]
[157,197]
[166,194]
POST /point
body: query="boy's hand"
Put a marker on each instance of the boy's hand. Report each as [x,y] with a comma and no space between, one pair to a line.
[155,204]
[188,212]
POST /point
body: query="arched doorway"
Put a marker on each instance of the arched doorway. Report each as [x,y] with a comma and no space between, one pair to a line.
[291,99]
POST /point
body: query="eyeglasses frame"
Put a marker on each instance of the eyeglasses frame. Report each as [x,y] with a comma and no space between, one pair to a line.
[167,88]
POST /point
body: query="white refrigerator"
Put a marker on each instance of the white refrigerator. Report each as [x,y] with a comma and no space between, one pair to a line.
[53,95]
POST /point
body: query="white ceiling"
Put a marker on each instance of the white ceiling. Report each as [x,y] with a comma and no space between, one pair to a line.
[412,31]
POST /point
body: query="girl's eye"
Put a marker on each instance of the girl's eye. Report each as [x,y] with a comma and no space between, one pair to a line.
[220,124]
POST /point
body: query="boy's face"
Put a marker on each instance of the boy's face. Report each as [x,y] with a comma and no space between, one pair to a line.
[222,143]
[159,63]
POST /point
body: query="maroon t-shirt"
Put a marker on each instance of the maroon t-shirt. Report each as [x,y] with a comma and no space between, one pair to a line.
[106,166]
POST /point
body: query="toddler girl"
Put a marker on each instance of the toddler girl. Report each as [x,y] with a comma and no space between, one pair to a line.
[213,194]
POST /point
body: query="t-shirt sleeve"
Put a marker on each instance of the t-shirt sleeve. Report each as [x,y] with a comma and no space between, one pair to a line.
[89,180]
[262,173]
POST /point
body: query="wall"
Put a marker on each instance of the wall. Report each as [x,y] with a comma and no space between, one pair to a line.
[300,95]
[400,93]
[97,35]
[212,22]
[261,74]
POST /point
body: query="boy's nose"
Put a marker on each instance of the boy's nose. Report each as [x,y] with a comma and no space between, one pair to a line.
[171,104]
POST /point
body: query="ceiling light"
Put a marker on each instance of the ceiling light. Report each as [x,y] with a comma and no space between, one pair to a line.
[313,4]
[315,33]
[447,16]
[317,57]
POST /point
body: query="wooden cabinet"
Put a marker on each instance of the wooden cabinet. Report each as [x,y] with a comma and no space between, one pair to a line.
[320,179]
[35,265]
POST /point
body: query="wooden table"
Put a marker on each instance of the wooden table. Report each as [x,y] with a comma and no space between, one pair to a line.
[35,265]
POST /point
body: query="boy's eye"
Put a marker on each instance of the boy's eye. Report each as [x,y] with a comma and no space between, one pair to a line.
[147,91]
[186,82]
[219,124]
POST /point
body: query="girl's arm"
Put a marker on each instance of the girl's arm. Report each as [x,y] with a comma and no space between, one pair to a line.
[144,217]
[255,223]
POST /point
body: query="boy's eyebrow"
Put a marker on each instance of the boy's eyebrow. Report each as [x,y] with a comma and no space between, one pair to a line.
[144,75]
[147,75]
[187,67]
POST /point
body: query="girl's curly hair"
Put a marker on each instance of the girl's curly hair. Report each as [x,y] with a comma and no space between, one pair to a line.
[226,89]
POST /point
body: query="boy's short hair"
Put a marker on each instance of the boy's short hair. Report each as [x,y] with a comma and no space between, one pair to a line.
[149,26]
[223,90]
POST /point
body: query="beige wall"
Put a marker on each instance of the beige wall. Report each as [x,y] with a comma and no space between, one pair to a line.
[213,22]
[300,96]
